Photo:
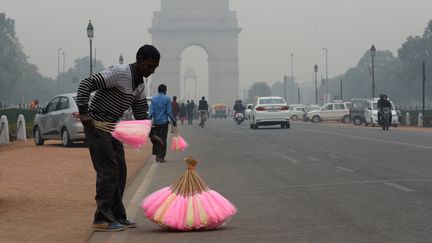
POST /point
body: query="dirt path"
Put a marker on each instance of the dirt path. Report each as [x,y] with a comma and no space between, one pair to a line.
[47,192]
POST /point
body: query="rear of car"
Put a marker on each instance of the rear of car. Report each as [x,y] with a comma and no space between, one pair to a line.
[357,111]
[269,111]
[59,120]
[296,112]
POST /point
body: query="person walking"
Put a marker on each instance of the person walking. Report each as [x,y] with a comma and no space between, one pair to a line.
[175,110]
[182,112]
[190,109]
[161,111]
[116,90]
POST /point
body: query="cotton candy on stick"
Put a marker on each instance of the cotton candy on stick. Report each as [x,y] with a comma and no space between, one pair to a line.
[188,204]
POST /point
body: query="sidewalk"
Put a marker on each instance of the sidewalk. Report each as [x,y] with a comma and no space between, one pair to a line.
[47,192]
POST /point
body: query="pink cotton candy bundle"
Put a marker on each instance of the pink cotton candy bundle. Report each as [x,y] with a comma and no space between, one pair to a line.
[131,132]
[178,143]
[188,204]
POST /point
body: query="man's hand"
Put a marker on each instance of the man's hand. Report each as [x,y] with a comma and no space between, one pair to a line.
[86,120]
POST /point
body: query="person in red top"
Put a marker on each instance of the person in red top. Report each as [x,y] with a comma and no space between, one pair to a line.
[175,110]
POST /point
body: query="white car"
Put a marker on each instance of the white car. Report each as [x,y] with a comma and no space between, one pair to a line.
[296,112]
[337,111]
[248,110]
[371,113]
[271,110]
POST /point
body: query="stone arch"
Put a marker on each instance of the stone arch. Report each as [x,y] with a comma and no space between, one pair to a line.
[205,23]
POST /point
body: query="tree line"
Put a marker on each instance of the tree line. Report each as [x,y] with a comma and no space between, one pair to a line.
[400,77]
[21,82]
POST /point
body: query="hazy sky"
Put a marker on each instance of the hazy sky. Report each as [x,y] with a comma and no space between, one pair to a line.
[272,30]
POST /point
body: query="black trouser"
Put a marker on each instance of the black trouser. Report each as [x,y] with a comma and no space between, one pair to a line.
[108,159]
[190,118]
[162,132]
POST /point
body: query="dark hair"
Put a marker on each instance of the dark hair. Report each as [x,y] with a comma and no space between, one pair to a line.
[203,98]
[162,88]
[174,98]
[147,52]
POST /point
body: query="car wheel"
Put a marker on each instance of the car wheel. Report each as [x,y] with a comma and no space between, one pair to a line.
[357,121]
[316,119]
[255,126]
[287,125]
[37,138]
[294,117]
[282,125]
[66,141]
[346,119]
[251,126]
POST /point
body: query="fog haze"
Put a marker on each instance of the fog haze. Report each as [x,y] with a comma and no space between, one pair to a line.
[271,31]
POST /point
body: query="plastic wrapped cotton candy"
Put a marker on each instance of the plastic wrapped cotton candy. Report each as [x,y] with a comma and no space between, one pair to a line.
[177,142]
[188,204]
[131,132]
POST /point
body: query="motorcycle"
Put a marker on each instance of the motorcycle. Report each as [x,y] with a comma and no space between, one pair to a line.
[239,118]
[385,120]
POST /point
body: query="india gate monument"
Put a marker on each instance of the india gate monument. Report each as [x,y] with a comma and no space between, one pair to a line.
[208,24]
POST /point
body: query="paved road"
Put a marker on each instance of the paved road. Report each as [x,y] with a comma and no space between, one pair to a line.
[310,183]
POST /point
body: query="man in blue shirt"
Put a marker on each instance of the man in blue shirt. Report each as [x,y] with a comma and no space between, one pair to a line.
[161,111]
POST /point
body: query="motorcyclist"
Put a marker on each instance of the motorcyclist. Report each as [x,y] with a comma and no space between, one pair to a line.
[238,107]
[383,102]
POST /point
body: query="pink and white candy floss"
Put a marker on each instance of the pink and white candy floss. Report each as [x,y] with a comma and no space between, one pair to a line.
[188,204]
[178,144]
[132,132]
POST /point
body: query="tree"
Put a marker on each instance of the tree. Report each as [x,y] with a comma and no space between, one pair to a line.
[20,81]
[259,89]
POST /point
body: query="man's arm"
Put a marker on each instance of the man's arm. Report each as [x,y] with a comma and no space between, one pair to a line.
[140,106]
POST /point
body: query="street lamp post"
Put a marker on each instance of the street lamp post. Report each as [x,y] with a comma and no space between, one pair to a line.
[58,69]
[326,77]
[63,74]
[285,81]
[292,74]
[316,84]
[121,59]
[90,34]
[372,53]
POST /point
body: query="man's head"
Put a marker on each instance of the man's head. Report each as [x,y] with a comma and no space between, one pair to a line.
[384,97]
[147,60]
[162,88]
[203,98]
[174,98]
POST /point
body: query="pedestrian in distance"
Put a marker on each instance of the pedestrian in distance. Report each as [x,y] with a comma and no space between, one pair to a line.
[182,112]
[190,110]
[161,112]
[175,110]
[116,88]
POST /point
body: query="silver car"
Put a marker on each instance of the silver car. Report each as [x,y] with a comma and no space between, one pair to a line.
[59,120]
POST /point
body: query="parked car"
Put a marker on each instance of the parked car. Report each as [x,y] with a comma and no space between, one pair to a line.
[357,111]
[337,111]
[271,110]
[296,112]
[309,108]
[248,110]
[59,120]
[371,113]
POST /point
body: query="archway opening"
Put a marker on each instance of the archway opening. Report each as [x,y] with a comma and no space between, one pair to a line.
[194,70]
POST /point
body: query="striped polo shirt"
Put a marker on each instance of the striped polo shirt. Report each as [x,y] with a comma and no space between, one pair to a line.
[116,92]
